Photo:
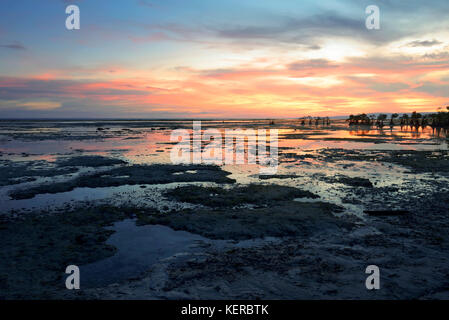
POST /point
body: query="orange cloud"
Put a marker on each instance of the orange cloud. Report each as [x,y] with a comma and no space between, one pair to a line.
[292,89]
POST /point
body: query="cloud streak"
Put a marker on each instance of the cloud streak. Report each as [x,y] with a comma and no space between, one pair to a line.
[424,43]
[13,46]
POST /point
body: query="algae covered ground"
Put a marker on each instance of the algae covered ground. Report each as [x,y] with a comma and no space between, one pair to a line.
[104,195]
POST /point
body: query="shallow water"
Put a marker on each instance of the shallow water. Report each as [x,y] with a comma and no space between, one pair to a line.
[311,158]
[148,142]
[137,249]
[140,247]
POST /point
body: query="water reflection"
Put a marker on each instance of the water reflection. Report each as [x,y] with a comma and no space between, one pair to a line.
[149,141]
[402,132]
[140,142]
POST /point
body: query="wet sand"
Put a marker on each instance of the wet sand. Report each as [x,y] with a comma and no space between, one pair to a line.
[103,195]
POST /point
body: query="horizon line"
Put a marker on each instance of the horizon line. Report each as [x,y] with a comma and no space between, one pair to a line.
[192,119]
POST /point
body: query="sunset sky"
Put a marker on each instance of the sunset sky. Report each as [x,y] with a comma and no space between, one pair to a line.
[221,58]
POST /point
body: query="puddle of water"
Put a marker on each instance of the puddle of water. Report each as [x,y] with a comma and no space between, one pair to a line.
[138,248]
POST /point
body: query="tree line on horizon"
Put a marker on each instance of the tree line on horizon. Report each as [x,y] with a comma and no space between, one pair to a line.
[434,120]
[317,120]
